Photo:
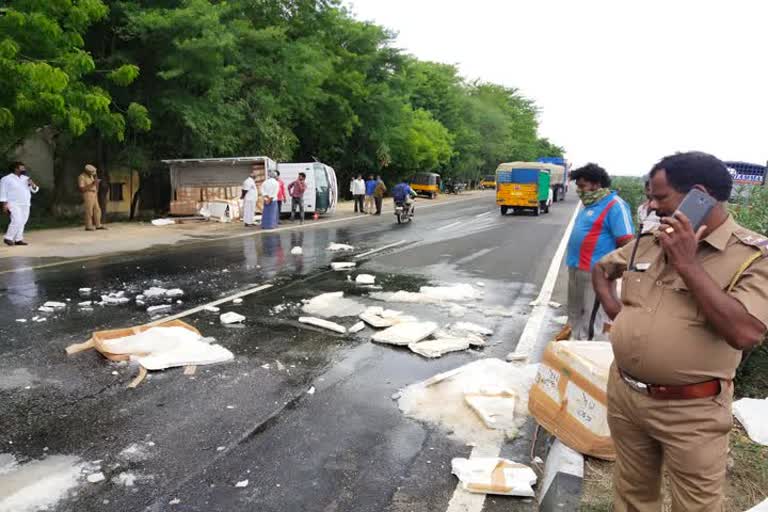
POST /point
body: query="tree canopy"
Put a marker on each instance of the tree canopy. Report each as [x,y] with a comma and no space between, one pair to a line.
[289,79]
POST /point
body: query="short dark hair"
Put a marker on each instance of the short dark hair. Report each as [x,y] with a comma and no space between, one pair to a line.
[685,170]
[592,173]
[302,174]
[16,165]
[277,173]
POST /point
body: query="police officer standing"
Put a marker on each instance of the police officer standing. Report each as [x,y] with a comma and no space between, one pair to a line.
[88,183]
[690,303]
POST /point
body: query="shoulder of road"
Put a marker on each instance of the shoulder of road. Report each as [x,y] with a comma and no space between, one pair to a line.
[51,247]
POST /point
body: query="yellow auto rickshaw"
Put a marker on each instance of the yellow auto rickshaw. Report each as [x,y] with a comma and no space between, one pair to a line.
[488,182]
[426,184]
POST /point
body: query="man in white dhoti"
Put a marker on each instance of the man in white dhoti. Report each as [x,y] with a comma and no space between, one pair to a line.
[250,196]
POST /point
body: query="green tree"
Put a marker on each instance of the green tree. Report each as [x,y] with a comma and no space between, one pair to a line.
[47,78]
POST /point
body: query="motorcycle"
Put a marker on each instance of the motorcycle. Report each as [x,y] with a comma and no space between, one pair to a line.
[455,188]
[403,212]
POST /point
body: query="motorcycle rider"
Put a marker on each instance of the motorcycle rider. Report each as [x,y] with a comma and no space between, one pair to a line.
[403,194]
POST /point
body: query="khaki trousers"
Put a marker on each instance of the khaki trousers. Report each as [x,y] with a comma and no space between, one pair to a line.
[688,437]
[92,211]
[369,204]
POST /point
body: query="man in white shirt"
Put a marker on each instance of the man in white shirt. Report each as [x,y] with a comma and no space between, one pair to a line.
[357,187]
[16,191]
[270,189]
[250,197]
[647,220]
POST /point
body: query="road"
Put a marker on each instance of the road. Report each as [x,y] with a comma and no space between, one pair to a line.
[345,447]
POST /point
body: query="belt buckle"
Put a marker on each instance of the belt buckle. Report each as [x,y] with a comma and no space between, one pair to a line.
[640,387]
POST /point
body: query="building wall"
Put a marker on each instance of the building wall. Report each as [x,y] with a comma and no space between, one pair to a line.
[37,152]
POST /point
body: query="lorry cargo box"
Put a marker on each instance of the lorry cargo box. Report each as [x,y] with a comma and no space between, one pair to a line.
[569,399]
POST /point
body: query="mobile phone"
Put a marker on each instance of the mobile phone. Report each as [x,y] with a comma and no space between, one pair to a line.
[696,206]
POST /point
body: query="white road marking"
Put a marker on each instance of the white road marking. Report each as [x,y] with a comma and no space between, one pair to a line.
[536,319]
[449,226]
[214,303]
[463,501]
[384,248]
[478,254]
[483,214]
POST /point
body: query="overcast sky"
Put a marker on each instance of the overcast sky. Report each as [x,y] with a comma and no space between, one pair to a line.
[618,83]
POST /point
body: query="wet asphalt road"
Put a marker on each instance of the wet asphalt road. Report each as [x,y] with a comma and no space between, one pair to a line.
[345,447]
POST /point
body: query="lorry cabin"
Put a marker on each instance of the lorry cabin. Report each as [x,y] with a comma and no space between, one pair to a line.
[559,173]
[322,192]
[524,186]
[196,183]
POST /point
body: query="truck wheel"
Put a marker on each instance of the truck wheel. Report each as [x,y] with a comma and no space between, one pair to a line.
[537,211]
[503,210]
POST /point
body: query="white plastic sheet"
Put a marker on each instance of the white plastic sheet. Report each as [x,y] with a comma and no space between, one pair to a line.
[753,414]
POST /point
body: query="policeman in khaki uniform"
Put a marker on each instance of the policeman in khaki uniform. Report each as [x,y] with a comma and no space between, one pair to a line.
[689,306]
[88,184]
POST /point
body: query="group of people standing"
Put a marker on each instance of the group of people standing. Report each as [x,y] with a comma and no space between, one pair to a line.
[274,192]
[368,194]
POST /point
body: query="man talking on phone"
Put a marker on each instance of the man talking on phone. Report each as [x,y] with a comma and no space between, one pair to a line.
[692,299]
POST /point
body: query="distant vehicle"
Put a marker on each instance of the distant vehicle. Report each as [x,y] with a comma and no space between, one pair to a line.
[488,182]
[426,184]
[559,173]
[524,186]
[455,187]
[322,192]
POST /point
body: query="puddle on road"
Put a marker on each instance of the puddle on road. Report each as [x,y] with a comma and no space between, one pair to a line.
[39,484]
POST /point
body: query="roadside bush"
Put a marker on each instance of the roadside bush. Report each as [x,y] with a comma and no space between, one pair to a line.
[631,189]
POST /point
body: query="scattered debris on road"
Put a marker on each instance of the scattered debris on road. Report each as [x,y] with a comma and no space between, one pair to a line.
[343,265]
[333,304]
[242,483]
[753,415]
[359,326]
[495,406]
[405,333]
[230,317]
[38,484]
[334,247]
[491,475]
[325,324]
[439,346]
[441,399]
[95,478]
[365,279]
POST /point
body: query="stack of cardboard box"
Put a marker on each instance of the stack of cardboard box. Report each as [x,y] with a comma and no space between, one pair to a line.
[187,201]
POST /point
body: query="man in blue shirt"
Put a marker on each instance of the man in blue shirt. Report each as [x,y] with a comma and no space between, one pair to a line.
[603,225]
[402,193]
[370,188]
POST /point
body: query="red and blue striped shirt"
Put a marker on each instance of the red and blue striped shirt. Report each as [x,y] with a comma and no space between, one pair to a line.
[598,230]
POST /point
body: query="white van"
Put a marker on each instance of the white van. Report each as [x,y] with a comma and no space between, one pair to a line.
[322,192]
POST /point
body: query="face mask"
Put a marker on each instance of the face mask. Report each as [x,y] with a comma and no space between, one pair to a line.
[591,197]
[24,172]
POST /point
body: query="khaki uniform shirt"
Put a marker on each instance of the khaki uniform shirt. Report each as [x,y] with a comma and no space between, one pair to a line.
[85,180]
[661,336]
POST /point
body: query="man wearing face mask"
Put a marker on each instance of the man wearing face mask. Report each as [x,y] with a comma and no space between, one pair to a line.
[16,191]
[691,302]
[602,225]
